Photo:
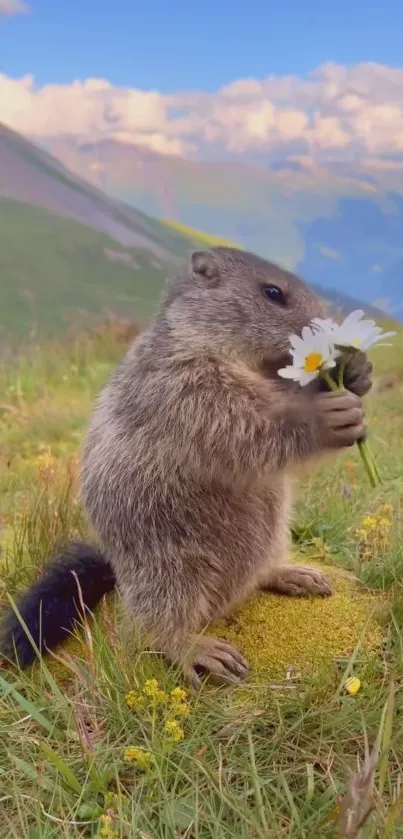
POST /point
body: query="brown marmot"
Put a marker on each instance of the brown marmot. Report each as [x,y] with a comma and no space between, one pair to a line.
[186,466]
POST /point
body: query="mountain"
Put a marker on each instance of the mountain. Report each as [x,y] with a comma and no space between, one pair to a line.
[69,251]
[340,226]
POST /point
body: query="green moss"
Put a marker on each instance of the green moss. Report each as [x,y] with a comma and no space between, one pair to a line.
[275,632]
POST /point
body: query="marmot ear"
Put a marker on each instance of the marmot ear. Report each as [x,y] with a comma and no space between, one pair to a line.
[204,265]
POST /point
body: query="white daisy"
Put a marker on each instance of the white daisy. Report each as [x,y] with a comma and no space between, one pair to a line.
[311,354]
[354,332]
[325,324]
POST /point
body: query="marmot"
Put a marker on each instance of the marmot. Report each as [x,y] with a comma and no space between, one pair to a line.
[186,465]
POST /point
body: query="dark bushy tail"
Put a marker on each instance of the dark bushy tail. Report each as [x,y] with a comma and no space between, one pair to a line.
[51,607]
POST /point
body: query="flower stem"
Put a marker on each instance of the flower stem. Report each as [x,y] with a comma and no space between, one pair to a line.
[369,463]
[329,381]
[341,374]
[376,470]
[367,458]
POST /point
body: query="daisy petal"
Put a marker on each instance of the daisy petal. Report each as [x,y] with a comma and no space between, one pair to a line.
[296,342]
[324,325]
[306,334]
[353,317]
[389,334]
[306,378]
[289,373]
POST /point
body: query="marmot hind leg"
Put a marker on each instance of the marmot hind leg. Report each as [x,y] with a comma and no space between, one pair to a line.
[172,615]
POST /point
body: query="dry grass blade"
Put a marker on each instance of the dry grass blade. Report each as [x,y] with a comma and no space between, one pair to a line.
[357,804]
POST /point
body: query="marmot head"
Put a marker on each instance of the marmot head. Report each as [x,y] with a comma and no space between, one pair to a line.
[236,302]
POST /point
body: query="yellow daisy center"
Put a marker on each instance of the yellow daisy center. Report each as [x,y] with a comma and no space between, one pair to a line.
[312,362]
[356,342]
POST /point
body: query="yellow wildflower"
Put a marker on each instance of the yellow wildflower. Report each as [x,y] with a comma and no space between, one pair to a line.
[106,829]
[135,700]
[179,705]
[143,759]
[179,695]
[152,690]
[174,731]
[151,687]
[180,709]
[113,800]
[373,534]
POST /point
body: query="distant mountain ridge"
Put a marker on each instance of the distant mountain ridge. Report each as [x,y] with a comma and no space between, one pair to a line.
[68,250]
[338,227]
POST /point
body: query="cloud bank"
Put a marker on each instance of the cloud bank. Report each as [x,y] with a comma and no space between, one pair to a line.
[335,114]
[9,8]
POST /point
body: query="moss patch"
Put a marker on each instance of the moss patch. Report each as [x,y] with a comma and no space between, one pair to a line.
[308,634]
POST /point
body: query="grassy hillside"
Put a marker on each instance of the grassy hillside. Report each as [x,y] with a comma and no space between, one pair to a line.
[67,247]
[31,176]
[55,272]
[84,748]
[68,251]
[52,268]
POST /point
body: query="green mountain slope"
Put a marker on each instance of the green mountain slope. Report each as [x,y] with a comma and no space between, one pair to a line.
[53,268]
[30,175]
[68,251]
[67,248]
[54,271]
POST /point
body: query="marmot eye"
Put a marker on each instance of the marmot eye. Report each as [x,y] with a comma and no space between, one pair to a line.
[273,293]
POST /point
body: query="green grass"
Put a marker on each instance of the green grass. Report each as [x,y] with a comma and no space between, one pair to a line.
[278,758]
[62,274]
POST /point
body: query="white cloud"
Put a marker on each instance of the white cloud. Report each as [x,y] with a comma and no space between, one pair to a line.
[336,113]
[9,8]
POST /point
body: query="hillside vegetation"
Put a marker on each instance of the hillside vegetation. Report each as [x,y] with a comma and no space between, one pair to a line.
[89,746]
[54,271]
[69,252]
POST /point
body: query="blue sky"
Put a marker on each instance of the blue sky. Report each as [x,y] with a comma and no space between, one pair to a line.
[171,44]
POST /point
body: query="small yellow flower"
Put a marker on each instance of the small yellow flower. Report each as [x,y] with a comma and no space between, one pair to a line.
[352,685]
[373,534]
[179,705]
[151,687]
[174,731]
[179,694]
[152,690]
[106,829]
[180,709]
[113,801]
[135,700]
[143,759]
